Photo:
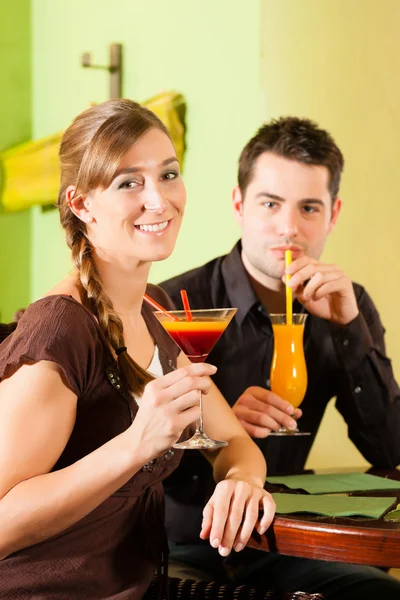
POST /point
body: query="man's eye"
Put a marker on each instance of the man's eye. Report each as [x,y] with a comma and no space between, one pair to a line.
[270,204]
[310,209]
[170,175]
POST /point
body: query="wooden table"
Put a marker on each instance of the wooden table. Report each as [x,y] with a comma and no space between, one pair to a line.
[358,540]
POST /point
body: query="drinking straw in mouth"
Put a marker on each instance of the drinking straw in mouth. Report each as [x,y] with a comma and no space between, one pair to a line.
[157,306]
[186,305]
[289,291]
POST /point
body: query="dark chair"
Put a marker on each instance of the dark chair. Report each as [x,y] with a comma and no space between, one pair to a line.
[6,329]
[187,589]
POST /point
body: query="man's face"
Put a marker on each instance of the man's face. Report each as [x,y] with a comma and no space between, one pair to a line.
[287,205]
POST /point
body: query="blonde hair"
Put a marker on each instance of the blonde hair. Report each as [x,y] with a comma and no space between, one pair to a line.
[90,153]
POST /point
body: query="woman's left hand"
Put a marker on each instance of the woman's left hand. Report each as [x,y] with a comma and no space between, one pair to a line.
[232,513]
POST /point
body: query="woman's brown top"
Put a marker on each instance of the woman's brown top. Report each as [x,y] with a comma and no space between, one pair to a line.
[111,553]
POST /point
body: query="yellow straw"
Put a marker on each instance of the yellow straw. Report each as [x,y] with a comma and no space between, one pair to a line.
[289,293]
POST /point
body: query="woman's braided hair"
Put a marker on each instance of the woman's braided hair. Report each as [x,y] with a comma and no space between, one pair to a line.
[90,153]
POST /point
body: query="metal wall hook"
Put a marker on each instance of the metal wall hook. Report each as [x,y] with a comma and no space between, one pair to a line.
[114,68]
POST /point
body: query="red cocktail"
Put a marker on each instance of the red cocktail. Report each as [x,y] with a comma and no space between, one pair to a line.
[196,333]
[195,338]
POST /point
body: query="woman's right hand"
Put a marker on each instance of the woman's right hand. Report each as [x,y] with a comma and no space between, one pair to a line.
[168,405]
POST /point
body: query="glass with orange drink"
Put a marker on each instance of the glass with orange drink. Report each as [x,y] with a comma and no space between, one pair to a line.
[288,375]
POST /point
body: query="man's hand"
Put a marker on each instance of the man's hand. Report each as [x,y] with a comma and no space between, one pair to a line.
[260,411]
[324,290]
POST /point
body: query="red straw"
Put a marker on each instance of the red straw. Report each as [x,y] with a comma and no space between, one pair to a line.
[186,305]
[157,306]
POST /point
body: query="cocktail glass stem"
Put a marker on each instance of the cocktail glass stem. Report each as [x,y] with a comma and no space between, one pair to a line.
[199,424]
[200,439]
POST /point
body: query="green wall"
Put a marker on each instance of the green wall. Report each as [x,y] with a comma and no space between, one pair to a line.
[15,110]
[208,51]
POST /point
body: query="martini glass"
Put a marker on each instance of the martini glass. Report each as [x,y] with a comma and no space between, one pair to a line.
[196,332]
[288,369]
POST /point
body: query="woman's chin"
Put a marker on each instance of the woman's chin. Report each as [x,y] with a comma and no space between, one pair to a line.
[161,256]
[156,255]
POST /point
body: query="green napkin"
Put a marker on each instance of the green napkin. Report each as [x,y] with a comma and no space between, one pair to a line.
[336,483]
[393,515]
[332,506]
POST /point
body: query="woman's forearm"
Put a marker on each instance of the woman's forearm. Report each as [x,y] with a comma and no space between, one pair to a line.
[45,505]
[241,459]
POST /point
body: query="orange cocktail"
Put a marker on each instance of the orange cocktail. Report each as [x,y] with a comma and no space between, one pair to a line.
[288,369]
[288,376]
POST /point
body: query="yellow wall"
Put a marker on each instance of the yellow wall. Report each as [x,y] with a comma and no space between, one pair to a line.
[338,62]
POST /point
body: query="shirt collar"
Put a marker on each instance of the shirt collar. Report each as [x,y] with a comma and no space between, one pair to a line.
[237,284]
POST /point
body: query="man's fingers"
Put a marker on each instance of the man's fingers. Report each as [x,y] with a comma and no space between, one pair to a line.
[254,417]
[328,287]
[297,413]
[254,431]
[306,266]
[261,402]
[309,272]
[273,419]
[300,263]
[319,279]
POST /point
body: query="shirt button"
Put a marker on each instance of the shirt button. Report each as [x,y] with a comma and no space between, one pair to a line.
[345,342]
[357,390]
[260,308]
[268,383]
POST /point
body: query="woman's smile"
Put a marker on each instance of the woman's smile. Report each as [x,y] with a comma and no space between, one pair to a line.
[153,228]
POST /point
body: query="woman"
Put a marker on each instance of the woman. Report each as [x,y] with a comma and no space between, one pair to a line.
[85,429]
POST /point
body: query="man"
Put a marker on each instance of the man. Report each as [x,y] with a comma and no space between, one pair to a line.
[287,198]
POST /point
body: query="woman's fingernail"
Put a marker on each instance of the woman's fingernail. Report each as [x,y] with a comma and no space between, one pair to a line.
[215,543]
[292,425]
[290,409]
[262,530]
[223,550]
[239,547]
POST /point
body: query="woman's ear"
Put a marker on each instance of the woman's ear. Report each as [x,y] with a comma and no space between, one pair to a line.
[78,204]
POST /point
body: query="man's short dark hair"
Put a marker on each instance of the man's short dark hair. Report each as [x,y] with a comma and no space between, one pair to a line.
[296,139]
